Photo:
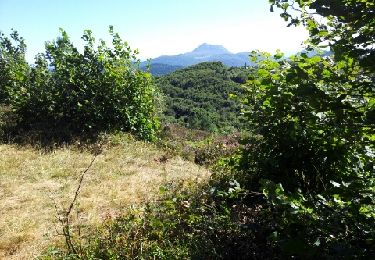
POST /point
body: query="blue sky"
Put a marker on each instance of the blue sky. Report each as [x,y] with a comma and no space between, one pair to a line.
[155,27]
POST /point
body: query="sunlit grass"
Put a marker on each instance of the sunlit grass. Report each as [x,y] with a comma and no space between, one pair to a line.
[127,172]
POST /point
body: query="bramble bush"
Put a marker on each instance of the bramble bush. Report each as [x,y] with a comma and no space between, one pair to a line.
[69,93]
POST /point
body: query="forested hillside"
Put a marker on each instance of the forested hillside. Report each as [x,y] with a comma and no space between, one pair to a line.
[203,96]
[159,69]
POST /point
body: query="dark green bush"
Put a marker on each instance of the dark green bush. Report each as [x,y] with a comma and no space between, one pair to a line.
[314,158]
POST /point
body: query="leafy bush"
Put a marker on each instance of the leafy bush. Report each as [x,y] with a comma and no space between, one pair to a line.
[314,159]
[308,134]
[14,70]
[72,93]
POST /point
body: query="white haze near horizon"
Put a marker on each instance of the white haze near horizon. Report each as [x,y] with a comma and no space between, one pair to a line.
[236,37]
[155,28]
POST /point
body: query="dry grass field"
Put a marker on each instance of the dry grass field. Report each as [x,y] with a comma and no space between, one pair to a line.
[33,182]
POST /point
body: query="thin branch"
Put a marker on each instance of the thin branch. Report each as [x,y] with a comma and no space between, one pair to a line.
[79,186]
[63,216]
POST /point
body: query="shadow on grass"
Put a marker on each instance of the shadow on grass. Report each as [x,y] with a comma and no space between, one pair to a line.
[43,136]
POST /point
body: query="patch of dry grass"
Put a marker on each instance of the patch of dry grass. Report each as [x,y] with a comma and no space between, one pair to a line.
[31,183]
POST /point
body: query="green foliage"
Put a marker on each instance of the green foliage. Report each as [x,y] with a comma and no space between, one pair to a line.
[73,93]
[348,27]
[312,148]
[14,69]
[214,149]
[201,96]
[311,114]
[8,120]
[336,223]
[314,158]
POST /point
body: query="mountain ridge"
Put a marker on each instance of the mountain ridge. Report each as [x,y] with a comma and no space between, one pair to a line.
[205,52]
[209,49]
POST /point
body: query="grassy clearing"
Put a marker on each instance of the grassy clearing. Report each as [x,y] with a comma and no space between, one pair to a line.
[127,172]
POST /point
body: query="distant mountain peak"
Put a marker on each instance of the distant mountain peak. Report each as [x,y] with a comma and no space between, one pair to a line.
[203,53]
[209,49]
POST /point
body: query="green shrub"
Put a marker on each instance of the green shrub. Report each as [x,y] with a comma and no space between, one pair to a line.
[314,158]
[14,70]
[71,93]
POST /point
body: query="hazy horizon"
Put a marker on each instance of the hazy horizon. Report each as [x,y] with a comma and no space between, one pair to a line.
[160,27]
